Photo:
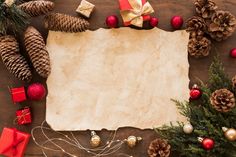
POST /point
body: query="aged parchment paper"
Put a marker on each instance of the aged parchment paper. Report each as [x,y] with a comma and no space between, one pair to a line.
[112,78]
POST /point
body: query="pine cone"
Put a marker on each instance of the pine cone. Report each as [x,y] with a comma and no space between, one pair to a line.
[14,62]
[197,34]
[36,49]
[223,100]
[199,47]
[65,23]
[234,81]
[36,8]
[223,25]
[195,23]
[159,148]
[205,8]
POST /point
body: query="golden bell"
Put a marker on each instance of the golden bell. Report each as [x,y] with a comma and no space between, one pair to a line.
[132,141]
[230,133]
[95,140]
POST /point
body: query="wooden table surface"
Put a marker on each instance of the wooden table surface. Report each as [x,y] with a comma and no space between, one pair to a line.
[164,10]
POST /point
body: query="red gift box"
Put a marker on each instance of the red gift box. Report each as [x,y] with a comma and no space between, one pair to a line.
[18,94]
[23,116]
[125,5]
[13,142]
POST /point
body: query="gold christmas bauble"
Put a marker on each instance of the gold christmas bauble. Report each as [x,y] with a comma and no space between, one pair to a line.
[132,141]
[95,141]
[230,133]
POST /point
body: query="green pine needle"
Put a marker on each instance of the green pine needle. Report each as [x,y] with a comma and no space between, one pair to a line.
[12,18]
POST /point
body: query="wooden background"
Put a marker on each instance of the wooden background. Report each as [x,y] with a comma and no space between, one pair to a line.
[164,10]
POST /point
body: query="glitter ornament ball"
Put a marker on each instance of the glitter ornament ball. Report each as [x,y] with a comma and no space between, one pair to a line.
[132,141]
[195,94]
[177,22]
[188,128]
[233,53]
[207,143]
[112,21]
[36,91]
[154,21]
[95,140]
[230,134]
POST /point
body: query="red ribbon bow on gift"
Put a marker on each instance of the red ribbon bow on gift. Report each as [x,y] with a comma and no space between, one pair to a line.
[13,146]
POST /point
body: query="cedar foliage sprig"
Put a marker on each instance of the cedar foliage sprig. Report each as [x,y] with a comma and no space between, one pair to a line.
[207,122]
[12,18]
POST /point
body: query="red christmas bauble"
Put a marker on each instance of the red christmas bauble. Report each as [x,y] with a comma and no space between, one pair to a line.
[233,53]
[154,21]
[195,93]
[177,22]
[112,21]
[36,91]
[208,143]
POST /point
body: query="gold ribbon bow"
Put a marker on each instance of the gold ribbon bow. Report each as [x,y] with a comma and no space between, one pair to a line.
[135,15]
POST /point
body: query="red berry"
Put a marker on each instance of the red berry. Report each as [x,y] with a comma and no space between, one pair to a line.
[177,22]
[112,21]
[36,91]
[208,143]
[233,53]
[195,94]
[154,21]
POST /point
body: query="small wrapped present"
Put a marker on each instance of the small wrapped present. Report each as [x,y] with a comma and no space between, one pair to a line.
[13,142]
[18,94]
[134,12]
[85,8]
[23,116]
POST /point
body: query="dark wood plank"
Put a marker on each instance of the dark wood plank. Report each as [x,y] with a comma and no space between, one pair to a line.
[165,9]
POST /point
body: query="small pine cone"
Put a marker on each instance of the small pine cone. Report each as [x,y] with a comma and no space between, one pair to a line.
[37,8]
[14,62]
[65,23]
[223,25]
[195,23]
[205,8]
[223,100]
[159,148]
[199,47]
[197,34]
[234,81]
[36,48]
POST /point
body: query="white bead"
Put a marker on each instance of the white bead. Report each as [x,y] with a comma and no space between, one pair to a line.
[188,128]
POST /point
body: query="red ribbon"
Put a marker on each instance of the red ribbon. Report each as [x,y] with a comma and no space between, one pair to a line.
[13,146]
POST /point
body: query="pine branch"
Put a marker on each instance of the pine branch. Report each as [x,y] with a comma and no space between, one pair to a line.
[12,18]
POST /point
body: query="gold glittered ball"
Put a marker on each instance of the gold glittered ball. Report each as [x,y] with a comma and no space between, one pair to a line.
[230,134]
[95,141]
[131,141]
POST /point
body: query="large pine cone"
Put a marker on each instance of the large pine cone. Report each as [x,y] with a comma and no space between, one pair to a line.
[36,48]
[223,100]
[234,81]
[65,23]
[223,25]
[159,148]
[36,8]
[205,8]
[199,47]
[195,23]
[14,62]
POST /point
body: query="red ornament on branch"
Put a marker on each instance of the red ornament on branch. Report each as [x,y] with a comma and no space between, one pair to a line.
[233,53]
[177,22]
[207,143]
[112,21]
[154,21]
[195,93]
[36,91]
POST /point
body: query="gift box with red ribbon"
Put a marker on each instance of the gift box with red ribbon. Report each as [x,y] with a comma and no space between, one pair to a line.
[134,12]
[13,142]
[23,116]
[18,94]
